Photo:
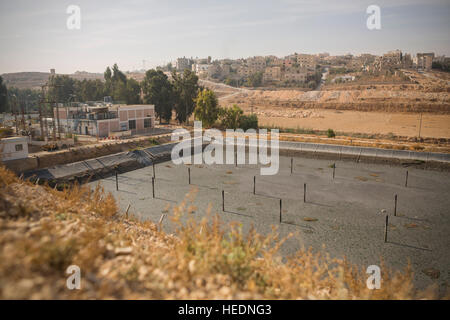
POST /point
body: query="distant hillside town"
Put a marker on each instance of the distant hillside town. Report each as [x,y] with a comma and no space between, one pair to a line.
[302,69]
[295,70]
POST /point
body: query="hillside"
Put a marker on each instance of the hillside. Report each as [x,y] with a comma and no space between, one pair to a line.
[43,231]
[34,80]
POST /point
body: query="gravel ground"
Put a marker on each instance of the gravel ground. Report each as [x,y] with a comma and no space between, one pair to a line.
[344,216]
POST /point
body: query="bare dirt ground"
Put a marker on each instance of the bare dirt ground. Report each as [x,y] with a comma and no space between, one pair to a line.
[359,100]
[401,124]
[391,109]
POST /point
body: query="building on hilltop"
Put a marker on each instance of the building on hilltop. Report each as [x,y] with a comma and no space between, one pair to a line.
[256,64]
[425,61]
[294,76]
[183,64]
[306,61]
[272,74]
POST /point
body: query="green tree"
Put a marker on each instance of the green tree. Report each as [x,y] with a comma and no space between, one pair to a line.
[158,91]
[133,92]
[119,87]
[255,79]
[61,87]
[89,90]
[186,89]
[118,76]
[3,96]
[230,117]
[330,133]
[108,82]
[206,109]
[29,98]
[248,122]
[119,93]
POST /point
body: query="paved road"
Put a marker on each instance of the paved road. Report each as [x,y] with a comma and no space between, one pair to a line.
[324,78]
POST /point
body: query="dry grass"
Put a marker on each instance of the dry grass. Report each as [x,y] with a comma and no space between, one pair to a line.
[43,231]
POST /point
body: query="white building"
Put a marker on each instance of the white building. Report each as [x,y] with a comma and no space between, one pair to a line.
[200,69]
[13,148]
[104,120]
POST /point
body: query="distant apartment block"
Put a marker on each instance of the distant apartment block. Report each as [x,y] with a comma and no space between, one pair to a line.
[103,121]
[294,76]
[183,64]
[425,61]
[200,69]
[256,63]
[243,71]
[306,61]
[392,60]
[272,74]
[288,63]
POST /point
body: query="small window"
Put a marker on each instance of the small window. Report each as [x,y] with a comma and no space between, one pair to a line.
[147,123]
[19,147]
[131,124]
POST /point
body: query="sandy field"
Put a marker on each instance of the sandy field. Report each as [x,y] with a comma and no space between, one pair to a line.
[401,124]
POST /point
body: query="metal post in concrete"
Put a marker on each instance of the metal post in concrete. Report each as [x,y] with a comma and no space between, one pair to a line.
[223,200]
[334,169]
[395,205]
[406,181]
[386,228]
[292,164]
[153,186]
[254,184]
[189,174]
[117,181]
[304,192]
[153,164]
[280,210]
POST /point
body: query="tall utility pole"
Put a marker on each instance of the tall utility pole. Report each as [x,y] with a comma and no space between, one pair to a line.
[57,119]
[53,102]
[420,125]
[57,112]
[40,114]
[46,100]
[23,115]
[69,102]
[14,111]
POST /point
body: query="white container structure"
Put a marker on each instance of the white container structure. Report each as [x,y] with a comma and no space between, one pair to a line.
[13,148]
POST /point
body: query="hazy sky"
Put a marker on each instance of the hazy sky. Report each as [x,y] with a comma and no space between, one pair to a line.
[34,35]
